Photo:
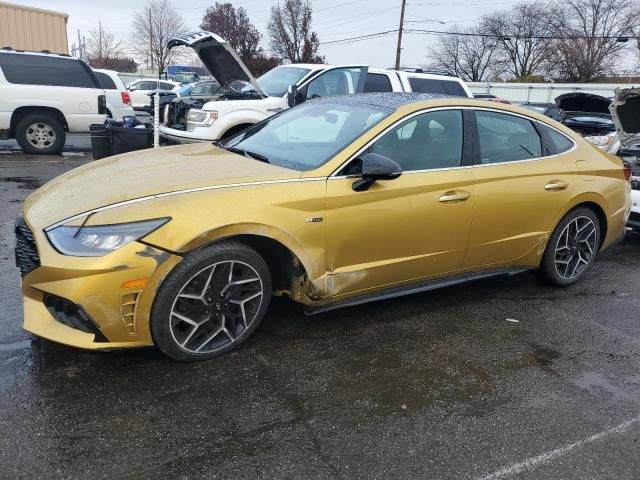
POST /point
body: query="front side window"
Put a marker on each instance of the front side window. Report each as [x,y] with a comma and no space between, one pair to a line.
[425,142]
[506,138]
[46,70]
[341,81]
[167,86]
[275,83]
[306,137]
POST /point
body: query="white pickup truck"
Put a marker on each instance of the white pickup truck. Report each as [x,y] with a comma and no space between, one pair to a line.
[244,101]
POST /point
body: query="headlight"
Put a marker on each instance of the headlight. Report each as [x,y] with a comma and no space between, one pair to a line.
[97,241]
[600,140]
[201,116]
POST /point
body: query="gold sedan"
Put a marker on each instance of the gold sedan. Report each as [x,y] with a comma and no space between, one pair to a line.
[336,202]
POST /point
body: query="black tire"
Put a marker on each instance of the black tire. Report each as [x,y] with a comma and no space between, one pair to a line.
[564,246]
[203,274]
[51,142]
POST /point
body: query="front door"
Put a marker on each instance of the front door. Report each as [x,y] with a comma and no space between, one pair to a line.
[520,190]
[406,229]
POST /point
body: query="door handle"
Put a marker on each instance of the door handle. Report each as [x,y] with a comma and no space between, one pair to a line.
[555,185]
[454,196]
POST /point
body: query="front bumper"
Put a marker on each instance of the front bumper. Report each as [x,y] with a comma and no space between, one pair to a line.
[634,218]
[198,134]
[118,315]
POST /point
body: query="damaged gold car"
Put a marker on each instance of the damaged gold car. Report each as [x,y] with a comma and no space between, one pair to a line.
[339,201]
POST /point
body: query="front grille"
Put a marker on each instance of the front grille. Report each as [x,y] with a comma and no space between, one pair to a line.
[27,258]
[71,315]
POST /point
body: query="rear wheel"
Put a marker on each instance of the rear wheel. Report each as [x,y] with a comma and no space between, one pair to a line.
[211,302]
[40,133]
[572,248]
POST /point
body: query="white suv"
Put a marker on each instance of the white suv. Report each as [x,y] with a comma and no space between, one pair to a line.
[43,96]
[248,101]
[140,89]
[118,98]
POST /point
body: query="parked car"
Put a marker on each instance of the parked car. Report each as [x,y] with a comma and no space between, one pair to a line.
[243,101]
[586,113]
[43,96]
[140,89]
[352,199]
[625,111]
[551,110]
[118,98]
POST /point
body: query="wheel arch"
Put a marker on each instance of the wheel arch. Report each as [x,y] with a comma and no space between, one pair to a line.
[288,262]
[21,112]
[597,205]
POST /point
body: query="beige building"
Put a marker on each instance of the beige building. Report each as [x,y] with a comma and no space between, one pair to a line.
[28,28]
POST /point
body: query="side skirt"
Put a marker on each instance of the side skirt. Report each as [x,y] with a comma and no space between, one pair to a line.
[423,286]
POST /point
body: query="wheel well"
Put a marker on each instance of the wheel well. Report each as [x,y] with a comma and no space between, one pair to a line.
[236,129]
[602,218]
[285,267]
[20,112]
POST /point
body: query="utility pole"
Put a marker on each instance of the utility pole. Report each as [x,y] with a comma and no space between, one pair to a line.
[150,39]
[399,49]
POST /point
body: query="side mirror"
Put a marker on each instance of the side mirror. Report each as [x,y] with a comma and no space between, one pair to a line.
[292,93]
[376,167]
[132,88]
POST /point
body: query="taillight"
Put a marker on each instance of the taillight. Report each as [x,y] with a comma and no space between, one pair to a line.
[626,168]
[126,99]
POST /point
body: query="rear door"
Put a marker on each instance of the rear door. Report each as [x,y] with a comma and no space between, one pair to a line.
[522,186]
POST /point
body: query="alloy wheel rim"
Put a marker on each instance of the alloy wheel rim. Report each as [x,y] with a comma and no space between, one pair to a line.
[41,135]
[576,247]
[216,306]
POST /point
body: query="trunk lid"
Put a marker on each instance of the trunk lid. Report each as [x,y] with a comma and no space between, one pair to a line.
[218,56]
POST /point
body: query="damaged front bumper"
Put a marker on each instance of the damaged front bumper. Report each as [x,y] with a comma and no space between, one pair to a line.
[92,302]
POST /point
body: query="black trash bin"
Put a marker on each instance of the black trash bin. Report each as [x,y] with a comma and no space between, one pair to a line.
[114,138]
[124,139]
[100,145]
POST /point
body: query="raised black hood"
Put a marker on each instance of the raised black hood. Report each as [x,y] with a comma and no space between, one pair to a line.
[218,56]
[583,102]
[625,110]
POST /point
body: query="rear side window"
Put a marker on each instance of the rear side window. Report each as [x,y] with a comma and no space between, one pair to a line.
[166,86]
[429,85]
[559,143]
[376,82]
[506,138]
[46,70]
[105,81]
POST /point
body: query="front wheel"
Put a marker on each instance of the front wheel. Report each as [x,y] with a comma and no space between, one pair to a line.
[40,133]
[572,248]
[211,302]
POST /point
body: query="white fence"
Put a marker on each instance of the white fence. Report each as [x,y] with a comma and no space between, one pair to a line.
[543,92]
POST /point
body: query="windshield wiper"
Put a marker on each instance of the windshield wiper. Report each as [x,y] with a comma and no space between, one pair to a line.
[246,153]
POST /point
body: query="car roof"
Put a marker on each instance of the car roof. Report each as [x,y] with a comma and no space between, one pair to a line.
[43,53]
[391,100]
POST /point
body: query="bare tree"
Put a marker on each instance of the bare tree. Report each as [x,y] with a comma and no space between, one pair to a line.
[591,49]
[102,44]
[236,28]
[466,54]
[290,32]
[523,33]
[152,28]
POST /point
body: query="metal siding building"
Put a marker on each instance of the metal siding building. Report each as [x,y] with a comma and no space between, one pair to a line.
[543,92]
[27,28]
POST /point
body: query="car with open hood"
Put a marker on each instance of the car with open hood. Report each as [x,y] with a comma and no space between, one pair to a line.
[244,100]
[586,113]
[625,110]
[336,202]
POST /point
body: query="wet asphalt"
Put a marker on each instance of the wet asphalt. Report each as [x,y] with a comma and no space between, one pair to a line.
[504,378]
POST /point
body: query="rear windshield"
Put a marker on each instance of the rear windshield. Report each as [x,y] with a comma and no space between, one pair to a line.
[47,70]
[430,85]
[105,81]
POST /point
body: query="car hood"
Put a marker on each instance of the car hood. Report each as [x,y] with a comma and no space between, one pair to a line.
[583,102]
[142,174]
[218,56]
[625,110]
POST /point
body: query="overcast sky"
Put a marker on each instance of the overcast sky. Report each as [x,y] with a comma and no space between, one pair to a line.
[332,20]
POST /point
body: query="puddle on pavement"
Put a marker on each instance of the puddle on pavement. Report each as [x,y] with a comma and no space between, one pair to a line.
[28,183]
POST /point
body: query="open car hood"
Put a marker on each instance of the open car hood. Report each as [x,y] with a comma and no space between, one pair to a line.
[625,110]
[218,56]
[583,102]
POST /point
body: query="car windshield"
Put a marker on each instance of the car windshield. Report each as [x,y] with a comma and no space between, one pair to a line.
[306,137]
[275,83]
[185,90]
